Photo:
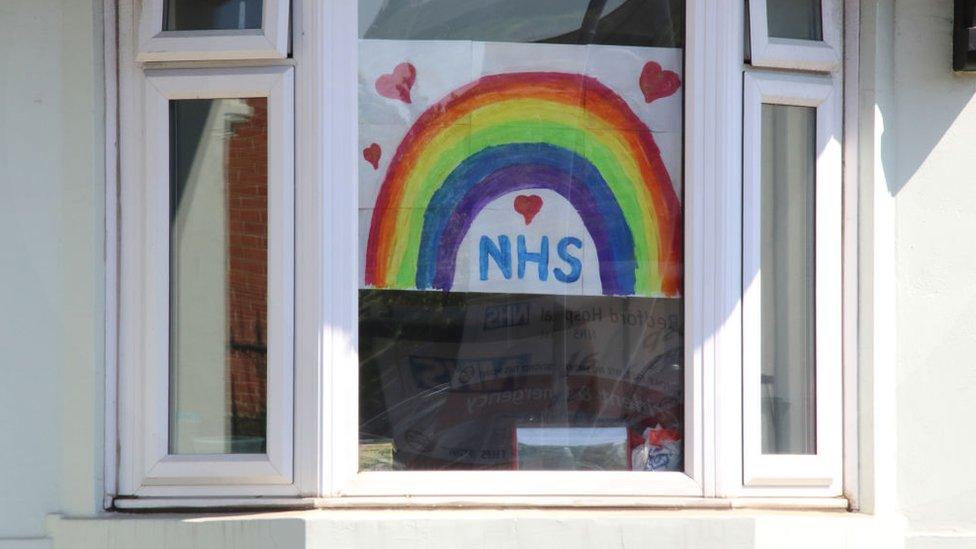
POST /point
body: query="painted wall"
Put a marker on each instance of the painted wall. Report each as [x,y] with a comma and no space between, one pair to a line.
[931,173]
[51,263]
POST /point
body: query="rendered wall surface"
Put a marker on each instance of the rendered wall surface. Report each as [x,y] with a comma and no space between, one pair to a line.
[51,263]
[932,160]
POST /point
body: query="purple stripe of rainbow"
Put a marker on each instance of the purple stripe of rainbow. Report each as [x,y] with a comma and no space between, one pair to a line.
[500,170]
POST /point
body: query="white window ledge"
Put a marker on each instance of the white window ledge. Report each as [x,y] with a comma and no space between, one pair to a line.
[406,529]
[477,502]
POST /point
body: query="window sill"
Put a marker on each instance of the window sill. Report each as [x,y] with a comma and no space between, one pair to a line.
[566,529]
[483,502]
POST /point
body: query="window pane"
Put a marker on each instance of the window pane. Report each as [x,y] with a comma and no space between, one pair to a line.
[191,15]
[521,235]
[788,279]
[621,22]
[799,19]
[218,276]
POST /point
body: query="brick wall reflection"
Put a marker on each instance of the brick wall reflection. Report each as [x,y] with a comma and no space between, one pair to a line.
[247,278]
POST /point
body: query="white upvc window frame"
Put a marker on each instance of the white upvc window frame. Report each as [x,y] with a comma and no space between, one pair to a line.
[342,284]
[788,53]
[819,473]
[268,42]
[325,428]
[147,467]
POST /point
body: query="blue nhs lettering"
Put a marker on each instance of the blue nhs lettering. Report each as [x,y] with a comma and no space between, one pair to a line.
[500,253]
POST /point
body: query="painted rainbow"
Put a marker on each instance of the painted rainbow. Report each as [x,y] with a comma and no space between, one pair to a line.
[568,133]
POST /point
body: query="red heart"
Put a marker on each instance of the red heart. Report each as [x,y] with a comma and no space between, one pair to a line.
[528,206]
[372,155]
[397,85]
[656,83]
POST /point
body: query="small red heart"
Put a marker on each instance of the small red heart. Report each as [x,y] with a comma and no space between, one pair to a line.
[528,206]
[656,83]
[397,85]
[372,155]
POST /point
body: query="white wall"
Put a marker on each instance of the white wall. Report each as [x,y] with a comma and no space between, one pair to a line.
[51,263]
[919,144]
[932,162]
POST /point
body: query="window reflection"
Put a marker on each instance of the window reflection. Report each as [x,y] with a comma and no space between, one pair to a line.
[797,19]
[789,136]
[508,381]
[195,15]
[623,22]
[218,276]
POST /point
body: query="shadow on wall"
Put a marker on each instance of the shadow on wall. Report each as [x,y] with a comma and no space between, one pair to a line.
[929,142]
[929,98]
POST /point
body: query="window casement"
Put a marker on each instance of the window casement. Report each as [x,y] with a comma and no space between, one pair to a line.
[210,30]
[184,289]
[382,251]
[792,211]
[163,267]
[796,34]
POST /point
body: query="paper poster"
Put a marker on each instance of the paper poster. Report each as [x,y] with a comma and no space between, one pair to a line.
[520,168]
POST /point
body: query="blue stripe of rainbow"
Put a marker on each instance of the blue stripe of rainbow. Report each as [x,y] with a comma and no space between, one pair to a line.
[499,170]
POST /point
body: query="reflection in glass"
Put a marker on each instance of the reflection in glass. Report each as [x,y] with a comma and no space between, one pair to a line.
[623,22]
[218,276]
[798,19]
[195,15]
[788,279]
[510,381]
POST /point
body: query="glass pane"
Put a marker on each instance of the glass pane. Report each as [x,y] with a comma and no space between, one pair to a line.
[799,19]
[789,137]
[521,235]
[621,22]
[218,276]
[191,15]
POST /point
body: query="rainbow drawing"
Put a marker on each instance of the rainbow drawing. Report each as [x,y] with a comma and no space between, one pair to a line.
[567,133]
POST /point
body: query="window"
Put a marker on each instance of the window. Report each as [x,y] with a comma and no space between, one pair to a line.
[796,34]
[482,250]
[792,279]
[964,36]
[208,281]
[521,241]
[172,30]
